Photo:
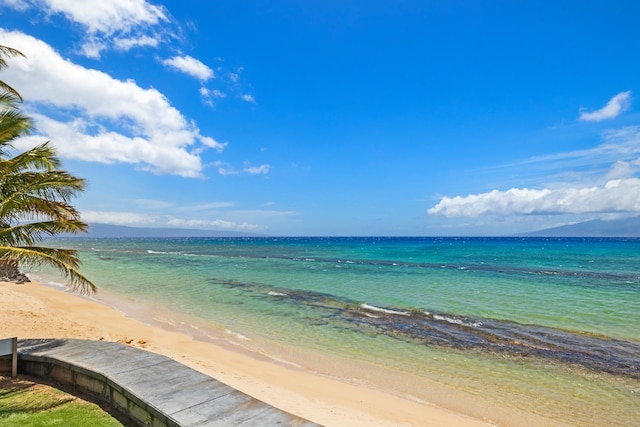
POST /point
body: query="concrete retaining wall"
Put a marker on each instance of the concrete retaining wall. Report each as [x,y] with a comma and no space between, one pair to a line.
[149,388]
[88,381]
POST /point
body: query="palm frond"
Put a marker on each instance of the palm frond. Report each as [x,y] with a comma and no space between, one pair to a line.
[49,185]
[13,123]
[28,234]
[64,260]
[40,157]
[8,52]
[9,101]
[32,186]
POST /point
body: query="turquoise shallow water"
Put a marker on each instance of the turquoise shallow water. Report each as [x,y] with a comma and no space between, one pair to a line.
[542,326]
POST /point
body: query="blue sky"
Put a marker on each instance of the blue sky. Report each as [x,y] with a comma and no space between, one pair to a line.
[336,117]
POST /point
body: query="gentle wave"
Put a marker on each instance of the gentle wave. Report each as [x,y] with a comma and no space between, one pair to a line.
[455,321]
[384,310]
[150,251]
[276,294]
[486,335]
[237,335]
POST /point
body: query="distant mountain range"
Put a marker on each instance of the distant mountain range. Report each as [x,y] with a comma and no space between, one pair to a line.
[119,231]
[628,227]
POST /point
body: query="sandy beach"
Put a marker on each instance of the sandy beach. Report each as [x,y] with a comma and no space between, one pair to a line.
[33,310]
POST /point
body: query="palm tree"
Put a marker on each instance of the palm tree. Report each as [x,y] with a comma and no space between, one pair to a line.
[35,198]
[7,52]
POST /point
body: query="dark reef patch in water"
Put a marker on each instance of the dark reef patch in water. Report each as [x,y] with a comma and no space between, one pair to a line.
[506,338]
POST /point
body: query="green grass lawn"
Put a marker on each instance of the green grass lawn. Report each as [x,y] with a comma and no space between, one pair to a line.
[28,404]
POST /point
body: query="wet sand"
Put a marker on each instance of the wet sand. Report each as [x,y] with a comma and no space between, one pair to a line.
[33,310]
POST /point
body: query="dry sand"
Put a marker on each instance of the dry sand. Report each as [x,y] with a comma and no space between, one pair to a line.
[33,310]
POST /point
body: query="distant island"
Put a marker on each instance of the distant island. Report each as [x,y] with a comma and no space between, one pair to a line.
[628,227]
[119,231]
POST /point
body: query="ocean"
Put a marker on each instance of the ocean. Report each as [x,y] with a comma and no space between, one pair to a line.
[527,329]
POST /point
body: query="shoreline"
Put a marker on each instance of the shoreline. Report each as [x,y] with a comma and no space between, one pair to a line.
[35,310]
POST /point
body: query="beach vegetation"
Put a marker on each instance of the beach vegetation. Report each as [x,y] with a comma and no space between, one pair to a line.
[35,195]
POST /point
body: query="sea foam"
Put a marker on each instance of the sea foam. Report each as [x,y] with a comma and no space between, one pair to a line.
[384,310]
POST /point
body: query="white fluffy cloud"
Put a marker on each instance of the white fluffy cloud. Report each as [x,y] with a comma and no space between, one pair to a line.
[118,218]
[601,179]
[107,16]
[208,95]
[126,44]
[226,169]
[257,170]
[144,128]
[248,98]
[614,107]
[122,24]
[615,196]
[147,220]
[190,66]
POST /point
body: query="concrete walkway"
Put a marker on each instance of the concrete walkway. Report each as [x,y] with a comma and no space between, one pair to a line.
[152,389]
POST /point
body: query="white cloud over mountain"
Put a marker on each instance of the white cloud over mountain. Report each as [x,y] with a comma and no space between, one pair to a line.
[603,179]
[615,196]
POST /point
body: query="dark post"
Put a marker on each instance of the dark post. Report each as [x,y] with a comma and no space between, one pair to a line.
[14,356]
